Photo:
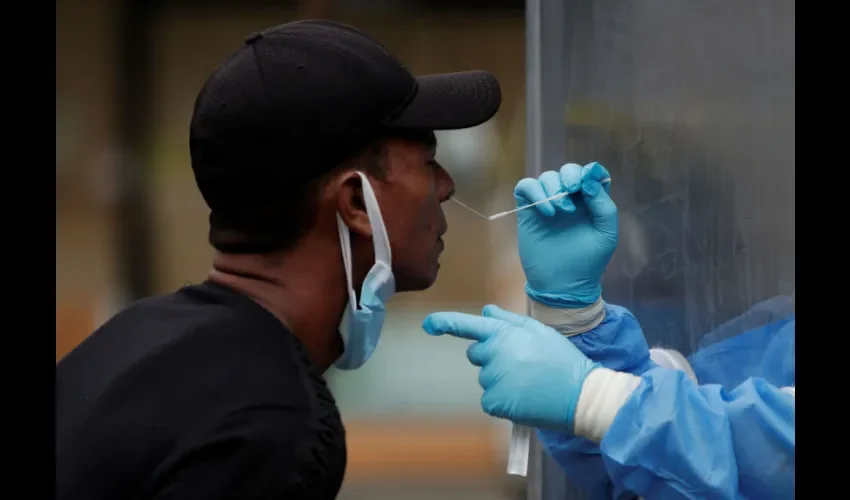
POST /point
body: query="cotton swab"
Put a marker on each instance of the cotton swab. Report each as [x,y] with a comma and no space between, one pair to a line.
[499,215]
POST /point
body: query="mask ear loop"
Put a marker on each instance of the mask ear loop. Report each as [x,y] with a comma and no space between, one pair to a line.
[518,209]
[345,244]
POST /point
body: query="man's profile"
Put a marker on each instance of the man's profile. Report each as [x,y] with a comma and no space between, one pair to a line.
[314,149]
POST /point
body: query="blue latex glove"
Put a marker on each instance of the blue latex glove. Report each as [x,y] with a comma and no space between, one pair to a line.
[530,373]
[565,244]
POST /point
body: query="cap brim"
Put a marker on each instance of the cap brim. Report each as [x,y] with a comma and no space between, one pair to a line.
[452,101]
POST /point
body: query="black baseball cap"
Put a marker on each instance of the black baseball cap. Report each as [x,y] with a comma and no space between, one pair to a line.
[298,99]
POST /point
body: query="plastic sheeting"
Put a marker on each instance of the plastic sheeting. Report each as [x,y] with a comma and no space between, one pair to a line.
[690,106]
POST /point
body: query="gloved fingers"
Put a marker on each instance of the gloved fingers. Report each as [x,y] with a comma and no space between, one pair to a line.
[551,182]
[570,175]
[492,311]
[531,190]
[492,403]
[524,322]
[461,325]
[601,206]
[477,353]
[591,176]
[488,375]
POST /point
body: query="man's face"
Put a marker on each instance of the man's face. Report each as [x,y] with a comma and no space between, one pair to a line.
[410,198]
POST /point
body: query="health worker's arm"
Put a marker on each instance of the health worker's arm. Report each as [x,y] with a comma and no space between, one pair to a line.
[661,435]
[610,335]
[730,443]
[564,246]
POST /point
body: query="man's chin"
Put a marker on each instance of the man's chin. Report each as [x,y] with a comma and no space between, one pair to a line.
[418,283]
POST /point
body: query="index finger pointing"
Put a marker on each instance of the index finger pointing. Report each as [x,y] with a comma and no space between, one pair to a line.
[461,325]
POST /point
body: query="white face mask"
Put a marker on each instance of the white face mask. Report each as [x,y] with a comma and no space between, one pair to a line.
[361,325]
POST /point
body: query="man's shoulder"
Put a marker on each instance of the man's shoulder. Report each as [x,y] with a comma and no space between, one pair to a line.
[197,369]
[203,313]
[196,314]
[203,305]
[196,343]
[219,332]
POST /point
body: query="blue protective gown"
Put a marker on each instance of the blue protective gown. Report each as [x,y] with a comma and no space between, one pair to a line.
[730,437]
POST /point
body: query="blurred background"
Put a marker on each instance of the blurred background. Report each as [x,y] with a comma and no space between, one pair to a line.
[690,105]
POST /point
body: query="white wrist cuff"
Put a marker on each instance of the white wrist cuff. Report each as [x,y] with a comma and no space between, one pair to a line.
[603,393]
[569,321]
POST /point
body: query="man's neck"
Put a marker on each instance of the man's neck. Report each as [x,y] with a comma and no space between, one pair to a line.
[305,291]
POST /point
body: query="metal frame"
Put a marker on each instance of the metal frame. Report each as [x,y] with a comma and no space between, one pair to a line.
[546,98]
[545,84]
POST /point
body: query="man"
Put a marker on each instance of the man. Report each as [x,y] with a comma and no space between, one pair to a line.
[581,371]
[314,149]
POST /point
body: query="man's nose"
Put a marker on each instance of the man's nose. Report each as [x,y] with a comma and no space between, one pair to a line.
[445,185]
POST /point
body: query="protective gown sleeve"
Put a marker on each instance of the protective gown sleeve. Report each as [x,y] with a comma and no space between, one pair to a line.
[666,437]
[675,439]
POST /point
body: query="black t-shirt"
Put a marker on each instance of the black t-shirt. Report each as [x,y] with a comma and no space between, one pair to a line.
[201,394]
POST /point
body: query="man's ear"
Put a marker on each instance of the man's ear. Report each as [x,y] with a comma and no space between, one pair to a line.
[350,204]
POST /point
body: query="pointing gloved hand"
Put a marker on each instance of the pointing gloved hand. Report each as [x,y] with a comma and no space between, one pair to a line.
[565,244]
[530,373]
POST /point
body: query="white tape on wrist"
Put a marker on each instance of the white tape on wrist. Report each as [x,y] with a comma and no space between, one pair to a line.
[603,393]
[569,321]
